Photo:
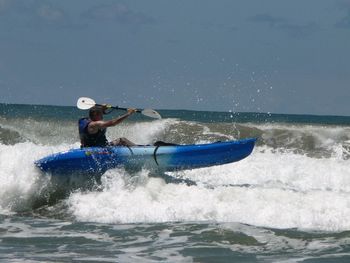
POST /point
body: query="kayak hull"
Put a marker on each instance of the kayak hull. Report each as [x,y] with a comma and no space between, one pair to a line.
[97,160]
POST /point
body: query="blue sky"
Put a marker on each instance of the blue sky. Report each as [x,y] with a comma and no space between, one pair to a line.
[247,55]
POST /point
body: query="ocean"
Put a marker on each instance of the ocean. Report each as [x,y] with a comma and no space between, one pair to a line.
[289,201]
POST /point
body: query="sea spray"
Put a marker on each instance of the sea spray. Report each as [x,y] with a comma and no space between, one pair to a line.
[20,179]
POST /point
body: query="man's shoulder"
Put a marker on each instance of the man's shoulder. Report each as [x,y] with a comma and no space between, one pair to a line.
[83,124]
[95,126]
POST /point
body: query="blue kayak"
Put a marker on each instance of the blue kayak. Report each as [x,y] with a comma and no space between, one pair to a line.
[97,160]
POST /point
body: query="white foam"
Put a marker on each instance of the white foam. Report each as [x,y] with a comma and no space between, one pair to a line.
[19,178]
[279,190]
[272,187]
[274,168]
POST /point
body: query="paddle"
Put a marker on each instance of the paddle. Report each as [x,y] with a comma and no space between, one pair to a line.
[85,103]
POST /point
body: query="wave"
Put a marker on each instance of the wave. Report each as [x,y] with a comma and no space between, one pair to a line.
[20,180]
[315,140]
[270,189]
[24,187]
[267,189]
[9,136]
[297,176]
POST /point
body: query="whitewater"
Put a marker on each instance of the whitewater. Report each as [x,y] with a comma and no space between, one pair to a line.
[294,187]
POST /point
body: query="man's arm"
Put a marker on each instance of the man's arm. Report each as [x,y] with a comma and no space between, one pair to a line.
[94,126]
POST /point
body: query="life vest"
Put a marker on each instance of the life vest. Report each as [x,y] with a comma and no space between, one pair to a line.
[91,140]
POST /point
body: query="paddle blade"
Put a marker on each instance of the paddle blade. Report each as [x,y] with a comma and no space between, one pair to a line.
[85,103]
[151,113]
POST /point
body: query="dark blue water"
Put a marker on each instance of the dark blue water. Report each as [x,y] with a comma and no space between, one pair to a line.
[69,113]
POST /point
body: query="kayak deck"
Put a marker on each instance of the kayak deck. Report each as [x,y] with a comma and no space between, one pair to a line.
[166,157]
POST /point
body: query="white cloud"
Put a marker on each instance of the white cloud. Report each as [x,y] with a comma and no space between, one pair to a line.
[119,13]
[50,13]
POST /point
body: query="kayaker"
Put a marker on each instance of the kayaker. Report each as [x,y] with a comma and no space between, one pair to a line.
[92,130]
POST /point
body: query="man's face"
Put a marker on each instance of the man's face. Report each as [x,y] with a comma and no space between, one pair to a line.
[98,116]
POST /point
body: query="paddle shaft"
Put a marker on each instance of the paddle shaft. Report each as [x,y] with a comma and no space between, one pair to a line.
[116,107]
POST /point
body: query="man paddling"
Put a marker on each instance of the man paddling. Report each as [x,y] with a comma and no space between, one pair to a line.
[92,130]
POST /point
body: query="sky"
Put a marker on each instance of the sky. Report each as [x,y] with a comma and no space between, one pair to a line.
[274,56]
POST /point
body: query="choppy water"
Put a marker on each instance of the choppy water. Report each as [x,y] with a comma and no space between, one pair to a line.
[289,201]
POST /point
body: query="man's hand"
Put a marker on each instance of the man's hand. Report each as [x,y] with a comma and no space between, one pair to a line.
[131,111]
[105,107]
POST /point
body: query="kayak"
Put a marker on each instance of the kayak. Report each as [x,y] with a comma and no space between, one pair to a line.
[167,157]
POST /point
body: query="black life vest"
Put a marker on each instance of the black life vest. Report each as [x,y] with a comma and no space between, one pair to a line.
[91,140]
